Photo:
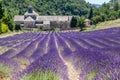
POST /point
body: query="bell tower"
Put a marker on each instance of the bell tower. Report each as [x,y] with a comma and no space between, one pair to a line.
[30,9]
[30,13]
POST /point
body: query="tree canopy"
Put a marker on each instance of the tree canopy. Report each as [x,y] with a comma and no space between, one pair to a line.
[48,7]
[108,11]
[1,10]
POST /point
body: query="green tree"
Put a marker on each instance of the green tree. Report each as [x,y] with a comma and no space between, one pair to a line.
[48,7]
[96,19]
[4,28]
[1,10]
[106,5]
[73,22]
[17,27]
[113,1]
[116,6]
[7,19]
[103,17]
[106,12]
[81,23]
[90,13]
[119,13]
[113,15]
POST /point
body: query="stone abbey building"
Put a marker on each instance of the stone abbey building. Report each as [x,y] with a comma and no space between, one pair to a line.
[32,20]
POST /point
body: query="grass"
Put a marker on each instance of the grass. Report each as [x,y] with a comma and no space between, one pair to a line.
[107,24]
[107,76]
[91,76]
[43,75]
[4,72]
[22,61]
[104,25]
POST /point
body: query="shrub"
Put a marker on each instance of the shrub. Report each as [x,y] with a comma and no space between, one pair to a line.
[73,22]
[17,27]
[52,28]
[7,19]
[1,10]
[81,23]
[96,19]
[3,28]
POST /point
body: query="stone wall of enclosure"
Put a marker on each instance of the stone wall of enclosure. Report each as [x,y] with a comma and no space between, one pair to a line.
[60,24]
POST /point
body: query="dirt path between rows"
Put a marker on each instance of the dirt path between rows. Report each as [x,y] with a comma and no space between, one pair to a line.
[72,73]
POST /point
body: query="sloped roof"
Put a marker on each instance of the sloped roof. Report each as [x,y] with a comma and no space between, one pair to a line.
[46,22]
[19,18]
[33,13]
[54,18]
[29,19]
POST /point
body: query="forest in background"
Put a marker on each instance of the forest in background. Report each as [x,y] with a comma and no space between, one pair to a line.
[42,7]
[47,7]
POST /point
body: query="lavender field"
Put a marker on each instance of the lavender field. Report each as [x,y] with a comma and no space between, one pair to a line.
[61,56]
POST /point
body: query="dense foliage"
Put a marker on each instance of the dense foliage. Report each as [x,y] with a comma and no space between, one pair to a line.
[17,27]
[55,7]
[3,28]
[48,7]
[81,23]
[108,11]
[1,10]
[6,20]
[73,22]
[78,22]
[90,15]
[3,20]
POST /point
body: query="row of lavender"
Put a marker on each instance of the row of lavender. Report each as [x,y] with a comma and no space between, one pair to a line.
[94,55]
[22,45]
[30,52]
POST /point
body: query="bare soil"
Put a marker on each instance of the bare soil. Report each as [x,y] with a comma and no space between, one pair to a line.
[2,75]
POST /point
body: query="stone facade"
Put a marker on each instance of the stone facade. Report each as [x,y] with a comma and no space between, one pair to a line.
[87,22]
[32,20]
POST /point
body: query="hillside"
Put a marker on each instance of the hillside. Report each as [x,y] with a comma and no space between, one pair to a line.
[105,25]
[45,7]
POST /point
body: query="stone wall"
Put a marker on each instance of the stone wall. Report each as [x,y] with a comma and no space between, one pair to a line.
[46,26]
[60,24]
[54,18]
[29,24]
[46,22]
